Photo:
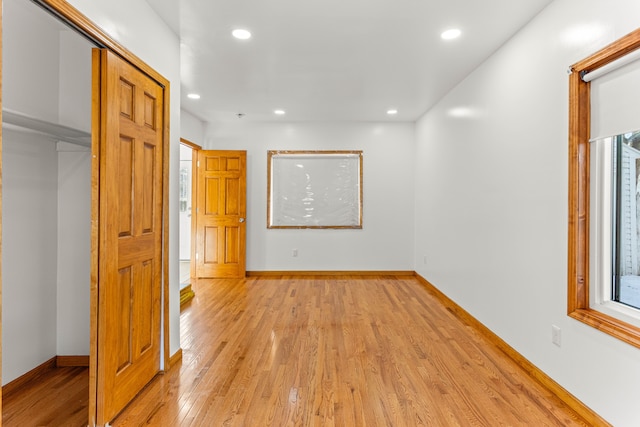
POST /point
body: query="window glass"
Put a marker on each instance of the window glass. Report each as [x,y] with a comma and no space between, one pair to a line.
[626,214]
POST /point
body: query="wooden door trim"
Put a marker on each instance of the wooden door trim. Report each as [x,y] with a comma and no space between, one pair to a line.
[165,222]
[1,211]
[194,205]
[193,145]
[95,215]
[89,29]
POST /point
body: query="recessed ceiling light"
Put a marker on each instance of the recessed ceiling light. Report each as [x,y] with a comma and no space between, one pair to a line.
[451,34]
[392,112]
[193,96]
[279,112]
[241,34]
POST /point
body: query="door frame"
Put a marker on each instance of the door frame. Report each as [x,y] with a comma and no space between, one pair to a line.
[1,68]
[88,29]
[194,204]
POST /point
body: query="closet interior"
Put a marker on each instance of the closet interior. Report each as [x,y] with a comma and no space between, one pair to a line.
[46,190]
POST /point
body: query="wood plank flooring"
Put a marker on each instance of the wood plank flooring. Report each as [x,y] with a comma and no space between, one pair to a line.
[59,397]
[335,351]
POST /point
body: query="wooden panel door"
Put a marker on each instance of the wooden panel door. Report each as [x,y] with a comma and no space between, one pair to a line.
[220,214]
[130,233]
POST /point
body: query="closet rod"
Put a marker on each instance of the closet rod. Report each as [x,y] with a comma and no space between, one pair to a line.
[60,132]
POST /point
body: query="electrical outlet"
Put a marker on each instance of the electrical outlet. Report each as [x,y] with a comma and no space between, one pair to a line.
[294,253]
[556,337]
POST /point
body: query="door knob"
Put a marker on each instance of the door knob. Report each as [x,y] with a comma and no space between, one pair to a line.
[241,220]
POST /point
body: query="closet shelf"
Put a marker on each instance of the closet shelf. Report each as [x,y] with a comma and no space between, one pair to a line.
[59,132]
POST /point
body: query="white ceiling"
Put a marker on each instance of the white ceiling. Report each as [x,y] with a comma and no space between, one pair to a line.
[332,60]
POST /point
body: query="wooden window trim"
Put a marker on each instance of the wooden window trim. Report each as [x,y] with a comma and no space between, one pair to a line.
[578,306]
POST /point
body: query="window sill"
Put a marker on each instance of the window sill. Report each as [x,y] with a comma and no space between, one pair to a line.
[609,325]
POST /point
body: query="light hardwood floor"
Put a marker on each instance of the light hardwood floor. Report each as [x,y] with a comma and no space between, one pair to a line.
[335,351]
[58,397]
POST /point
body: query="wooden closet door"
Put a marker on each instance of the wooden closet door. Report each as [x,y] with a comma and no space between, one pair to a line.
[130,233]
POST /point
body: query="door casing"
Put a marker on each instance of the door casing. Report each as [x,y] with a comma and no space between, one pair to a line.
[195,148]
[1,68]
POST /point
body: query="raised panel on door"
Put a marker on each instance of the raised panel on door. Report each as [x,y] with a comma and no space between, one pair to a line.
[148,178]
[232,196]
[232,245]
[212,196]
[143,336]
[221,213]
[125,186]
[122,325]
[210,246]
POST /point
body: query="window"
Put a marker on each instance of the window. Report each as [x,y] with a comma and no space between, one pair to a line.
[615,222]
[314,189]
[626,224]
[604,165]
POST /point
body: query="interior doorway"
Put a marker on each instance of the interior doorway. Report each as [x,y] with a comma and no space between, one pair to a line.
[186,174]
[187,209]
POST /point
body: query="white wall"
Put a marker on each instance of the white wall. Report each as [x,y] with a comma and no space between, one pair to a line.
[33,88]
[36,70]
[74,90]
[74,198]
[74,250]
[191,128]
[29,229]
[491,202]
[386,239]
[137,27]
